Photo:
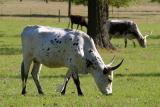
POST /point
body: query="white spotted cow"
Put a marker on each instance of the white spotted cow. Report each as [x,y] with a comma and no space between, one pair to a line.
[57,47]
[127,29]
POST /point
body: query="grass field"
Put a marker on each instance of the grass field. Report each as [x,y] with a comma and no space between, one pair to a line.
[136,83]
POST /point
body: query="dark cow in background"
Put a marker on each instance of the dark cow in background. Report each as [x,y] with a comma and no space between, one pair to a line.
[128,29]
[79,20]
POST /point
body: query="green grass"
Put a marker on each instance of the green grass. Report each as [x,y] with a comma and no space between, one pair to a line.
[135,84]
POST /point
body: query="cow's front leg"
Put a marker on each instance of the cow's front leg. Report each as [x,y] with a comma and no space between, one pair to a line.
[66,80]
[134,44]
[125,41]
[77,83]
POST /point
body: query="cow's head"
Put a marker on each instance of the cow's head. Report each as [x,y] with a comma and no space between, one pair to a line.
[143,41]
[104,77]
[138,35]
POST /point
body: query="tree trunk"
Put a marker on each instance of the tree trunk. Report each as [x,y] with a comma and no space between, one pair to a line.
[69,8]
[97,19]
[107,11]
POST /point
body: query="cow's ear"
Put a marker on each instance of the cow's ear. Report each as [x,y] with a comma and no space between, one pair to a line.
[106,70]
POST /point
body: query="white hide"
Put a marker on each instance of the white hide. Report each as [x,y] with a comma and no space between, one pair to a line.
[56,47]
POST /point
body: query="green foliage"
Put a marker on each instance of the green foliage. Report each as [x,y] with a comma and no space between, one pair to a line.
[115,3]
[155,1]
[84,2]
[119,3]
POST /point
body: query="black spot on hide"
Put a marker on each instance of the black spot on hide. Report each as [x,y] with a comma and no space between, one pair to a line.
[51,41]
[70,60]
[60,42]
[88,63]
[90,51]
[106,71]
[70,38]
[75,44]
[48,49]
[57,41]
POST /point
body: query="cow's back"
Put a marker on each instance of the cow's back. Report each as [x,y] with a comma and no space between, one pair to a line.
[53,47]
[119,26]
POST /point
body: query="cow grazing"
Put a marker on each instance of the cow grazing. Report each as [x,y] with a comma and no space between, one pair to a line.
[128,29]
[57,47]
[79,20]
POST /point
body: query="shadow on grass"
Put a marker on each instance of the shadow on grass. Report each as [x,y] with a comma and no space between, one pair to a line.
[139,75]
[41,76]
[10,51]
[6,35]
[155,37]
[30,77]
[2,34]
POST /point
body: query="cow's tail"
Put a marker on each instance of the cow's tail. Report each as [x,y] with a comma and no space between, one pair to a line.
[22,71]
[69,21]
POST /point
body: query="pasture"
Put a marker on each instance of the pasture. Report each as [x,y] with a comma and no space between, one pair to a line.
[136,83]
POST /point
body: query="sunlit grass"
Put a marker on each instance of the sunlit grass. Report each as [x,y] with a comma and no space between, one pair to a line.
[135,84]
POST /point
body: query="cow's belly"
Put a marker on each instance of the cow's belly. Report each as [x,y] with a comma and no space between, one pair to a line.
[130,36]
[55,63]
[51,58]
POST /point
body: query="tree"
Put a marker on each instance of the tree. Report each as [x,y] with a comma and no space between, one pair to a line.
[155,1]
[114,3]
[119,3]
[69,8]
[46,1]
[98,13]
[97,28]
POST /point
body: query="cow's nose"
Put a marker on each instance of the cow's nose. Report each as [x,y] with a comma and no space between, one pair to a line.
[108,91]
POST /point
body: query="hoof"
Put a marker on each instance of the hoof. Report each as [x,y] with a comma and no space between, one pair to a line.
[80,95]
[41,92]
[23,93]
[63,92]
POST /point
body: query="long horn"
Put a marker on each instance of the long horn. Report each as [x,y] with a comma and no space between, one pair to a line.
[150,33]
[111,62]
[117,66]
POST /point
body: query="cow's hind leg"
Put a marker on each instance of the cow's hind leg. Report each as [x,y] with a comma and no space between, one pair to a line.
[77,83]
[77,26]
[71,25]
[81,27]
[24,74]
[66,80]
[35,74]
